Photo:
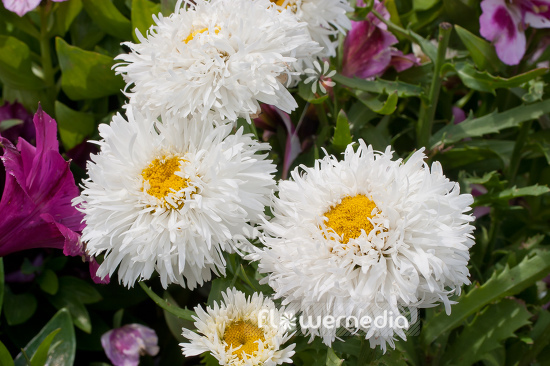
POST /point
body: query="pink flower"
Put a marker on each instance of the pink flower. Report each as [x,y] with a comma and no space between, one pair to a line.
[504,22]
[22,7]
[367,48]
[125,345]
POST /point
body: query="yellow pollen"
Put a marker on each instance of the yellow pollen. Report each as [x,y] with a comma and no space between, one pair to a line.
[289,4]
[350,216]
[194,33]
[161,177]
[245,334]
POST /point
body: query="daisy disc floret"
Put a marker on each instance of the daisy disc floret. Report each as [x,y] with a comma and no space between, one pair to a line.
[225,56]
[364,235]
[240,331]
[172,197]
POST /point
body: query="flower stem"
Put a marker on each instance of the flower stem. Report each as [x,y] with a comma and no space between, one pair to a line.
[174,310]
[428,107]
[45,51]
[516,155]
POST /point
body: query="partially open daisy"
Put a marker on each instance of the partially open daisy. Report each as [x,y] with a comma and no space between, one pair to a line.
[240,331]
[172,197]
[366,235]
[225,56]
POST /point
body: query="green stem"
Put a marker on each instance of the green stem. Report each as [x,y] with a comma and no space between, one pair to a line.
[179,312]
[45,50]
[254,130]
[516,155]
[428,107]
[321,114]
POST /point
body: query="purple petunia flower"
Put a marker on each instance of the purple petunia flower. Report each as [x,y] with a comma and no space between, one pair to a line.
[22,7]
[504,22]
[125,345]
[367,48]
[36,201]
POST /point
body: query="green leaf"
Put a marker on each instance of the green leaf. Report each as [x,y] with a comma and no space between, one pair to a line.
[142,16]
[379,106]
[78,311]
[510,193]
[21,23]
[86,74]
[485,82]
[41,355]
[2,284]
[73,126]
[48,282]
[541,336]
[380,86]
[342,136]
[305,92]
[5,357]
[482,52]
[496,323]
[9,123]
[174,323]
[85,292]
[64,16]
[62,351]
[491,123]
[105,14]
[508,282]
[424,4]
[18,308]
[179,312]
[333,359]
[15,65]
[219,285]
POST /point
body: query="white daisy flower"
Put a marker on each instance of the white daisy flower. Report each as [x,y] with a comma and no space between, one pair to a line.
[240,331]
[324,18]
[172,197]
[217,55]
[358,237]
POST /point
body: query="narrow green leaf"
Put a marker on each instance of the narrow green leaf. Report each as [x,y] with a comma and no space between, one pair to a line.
[496,323]
[105,14]
[117,318]
[491,123]
[424,4]
[78,311]
[9,123]
[62,351]
[385,107]
[380,86]
[15,65]
[18,308]
[342,136]
[482,52]
[510,193]
[64,16]
[86,74]
[41,355]
[333,359]
[485,82]
[48,282]
[179,312]
[73,126]
[5,357]
[174,323]
[508,282]
[142,16]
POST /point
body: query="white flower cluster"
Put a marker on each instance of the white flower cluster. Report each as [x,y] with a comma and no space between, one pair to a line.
[175,186]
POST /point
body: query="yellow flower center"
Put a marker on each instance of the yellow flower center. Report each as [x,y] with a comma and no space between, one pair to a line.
[289,4]
[194,33]
[245,334]
[350,216]
[162,178]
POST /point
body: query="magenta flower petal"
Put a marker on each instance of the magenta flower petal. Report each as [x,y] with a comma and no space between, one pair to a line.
[20,7]
[501,23]
[402,62]
[38,191]
[537,13]
[125,345]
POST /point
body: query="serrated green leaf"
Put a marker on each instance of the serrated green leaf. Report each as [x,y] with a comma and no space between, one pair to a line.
[179,312]
[62,351]
[64,16]
[485,82]
[5,357]
[41,355]
[15,65]
[385,107]
[106,15]
[73,126]
[510,193]
[48,282]
[86,74]
[142,16]
[508,282]
[491,123]
[482,52]
[380,86]
[342,135]
[489,329]
[333,359]
[18,308]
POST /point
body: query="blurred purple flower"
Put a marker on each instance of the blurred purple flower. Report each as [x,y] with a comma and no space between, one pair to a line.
[24,128]
[22,7]
[459,115]
[504,22]
[36,201]
[479,211]
[125,345]
[367,48]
